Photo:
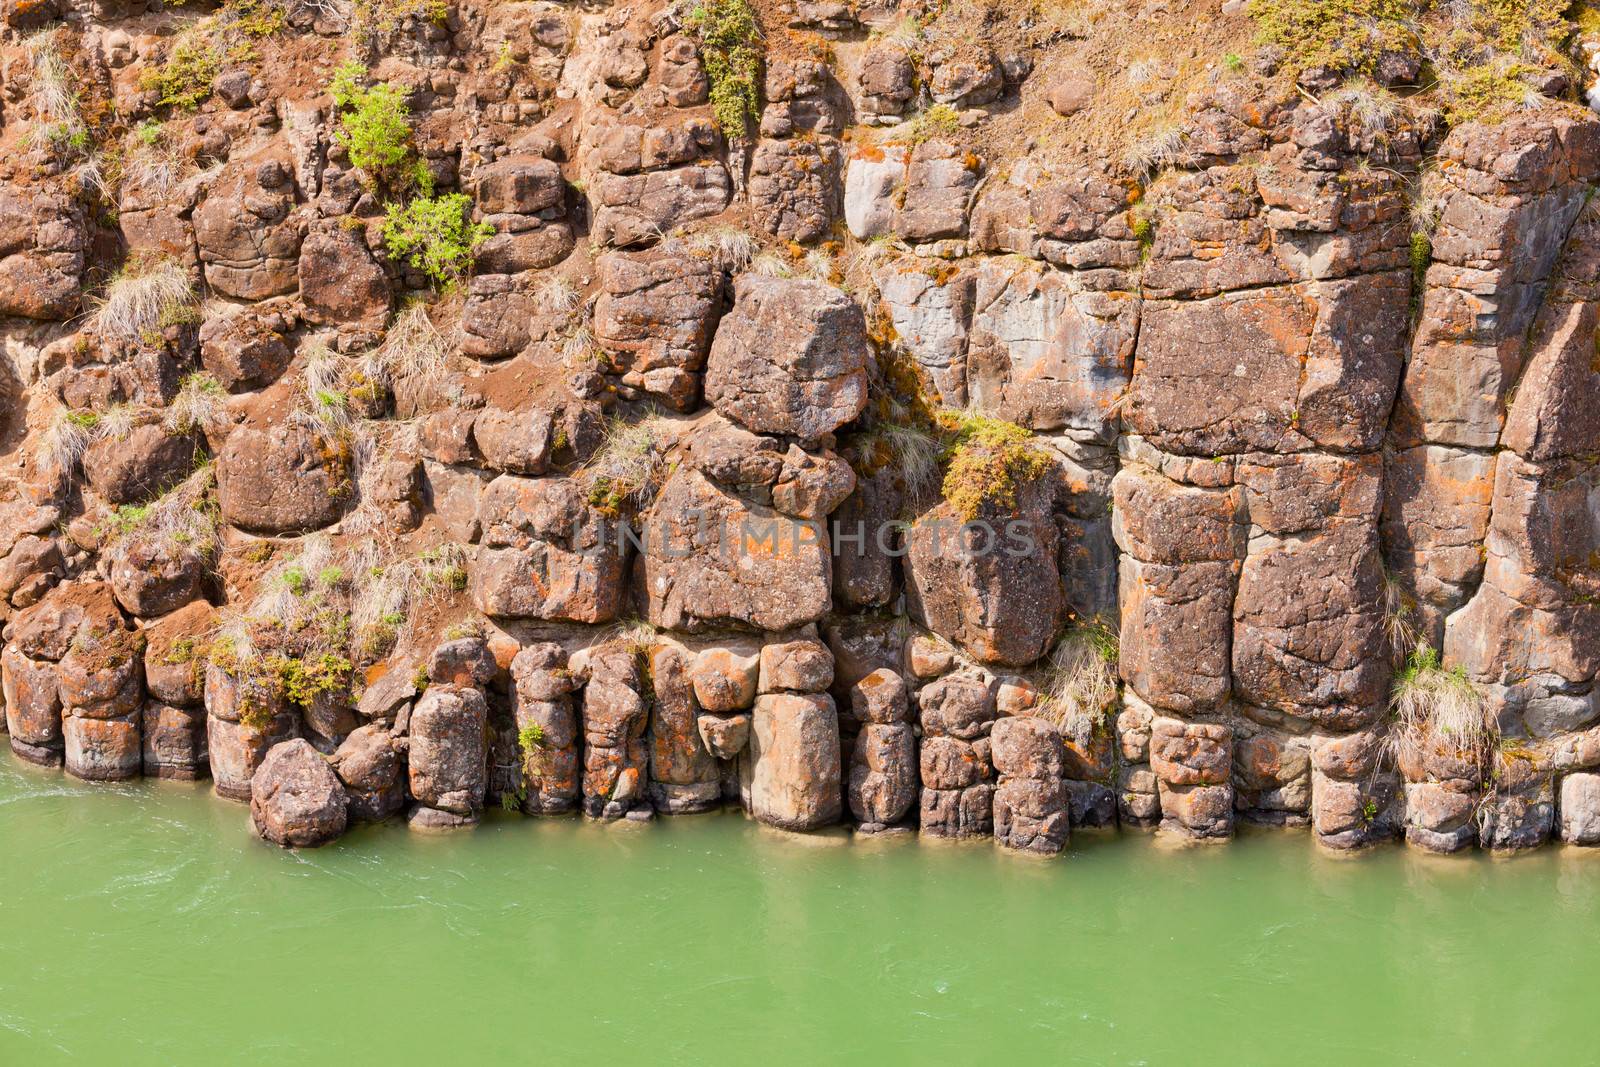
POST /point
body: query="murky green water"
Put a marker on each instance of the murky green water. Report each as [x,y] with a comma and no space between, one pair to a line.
[143,925]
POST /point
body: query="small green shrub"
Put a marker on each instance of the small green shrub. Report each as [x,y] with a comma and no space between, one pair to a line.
[435,235]
[383,17]
[530,739]
[124,520]
[732,50]
[374,121]
[254,18]
[184,80]
[940,120]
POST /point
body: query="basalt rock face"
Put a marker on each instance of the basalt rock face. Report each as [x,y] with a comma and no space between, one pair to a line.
[977,435]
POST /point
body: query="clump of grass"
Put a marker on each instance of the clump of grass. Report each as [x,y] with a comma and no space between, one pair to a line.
[199,406]
[1435,705]
[54,98]
[1483,53]
[557,296]
[627,469]
[530,739]
[142,298]
[1155,151]
[732,49]
[371,19]
[413,355]
[939,122]
[60,125]
[987,462]
[910,454]
[184,517]
[1399,618]
[436,235]
[633,635]
[729,247]
[153,162]
[253,18]
[63,444]
[1082,688]
[1367,107]
[324,404]
[579,347]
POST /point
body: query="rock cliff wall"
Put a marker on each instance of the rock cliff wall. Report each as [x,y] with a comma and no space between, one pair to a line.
[993,420]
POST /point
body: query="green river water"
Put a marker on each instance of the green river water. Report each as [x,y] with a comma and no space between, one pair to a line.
[142,924]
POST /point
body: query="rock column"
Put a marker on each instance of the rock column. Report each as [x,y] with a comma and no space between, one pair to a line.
[883,760]
[1030,803]
[957,713]
[543,708]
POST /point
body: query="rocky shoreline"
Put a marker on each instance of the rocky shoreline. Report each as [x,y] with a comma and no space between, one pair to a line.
[982,420]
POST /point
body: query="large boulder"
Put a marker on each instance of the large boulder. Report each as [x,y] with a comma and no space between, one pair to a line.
[789,776]
[790,358]
[448,752]
[174,742]
[341,282]
[143,463]
[995,591]
[247,229]
[296,801]
[276,475]
[615,757]
[547,553]
[654,319]
[543,710]
[372,771]
[42,245]
[684,776]
[715,559]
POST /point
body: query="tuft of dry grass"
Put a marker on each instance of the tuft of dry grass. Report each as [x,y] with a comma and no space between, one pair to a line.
[729,247]
[155,162]
[1366,107]
[324,406]
[557,296]
[627,469]
[913,458]
[185,517]
[137,300]
[1399,618]
[1432,704]
[200,406]
[1082,690]
[1156,151]
[579,348]
[64,442]
[54,99]
[414,354]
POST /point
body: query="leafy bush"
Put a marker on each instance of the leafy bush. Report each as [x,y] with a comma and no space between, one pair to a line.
[374,121]
[434,234]
[732,50]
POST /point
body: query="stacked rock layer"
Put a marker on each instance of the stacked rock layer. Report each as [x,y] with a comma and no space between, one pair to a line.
[978,422]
